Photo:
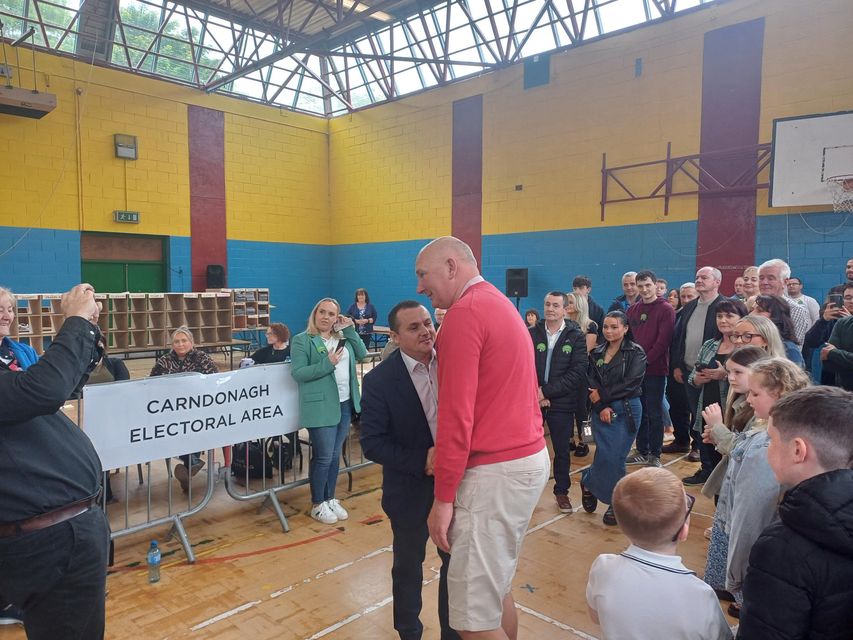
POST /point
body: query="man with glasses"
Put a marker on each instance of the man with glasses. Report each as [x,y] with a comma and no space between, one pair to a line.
[697,323]
[837,354]
[795,292]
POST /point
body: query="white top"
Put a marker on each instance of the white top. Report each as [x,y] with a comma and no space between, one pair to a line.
[639,594]
[341,369]
[425,379]
[811,306]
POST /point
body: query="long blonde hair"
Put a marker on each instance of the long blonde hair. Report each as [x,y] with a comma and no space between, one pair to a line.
[312,329]
[582,307]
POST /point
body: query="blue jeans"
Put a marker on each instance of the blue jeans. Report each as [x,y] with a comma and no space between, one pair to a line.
[650,435]
[326,445]
[612,444]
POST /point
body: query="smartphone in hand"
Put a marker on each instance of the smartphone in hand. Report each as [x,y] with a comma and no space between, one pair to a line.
[341,345]
[836,300]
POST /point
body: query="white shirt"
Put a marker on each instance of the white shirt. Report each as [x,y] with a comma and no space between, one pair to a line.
[552,340]
[644,595]
[425,379]
[341,369]
[811,306]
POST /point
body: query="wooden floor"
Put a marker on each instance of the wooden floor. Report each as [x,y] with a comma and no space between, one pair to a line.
[252,581]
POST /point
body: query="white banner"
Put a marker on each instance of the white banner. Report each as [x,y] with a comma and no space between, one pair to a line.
[154,418]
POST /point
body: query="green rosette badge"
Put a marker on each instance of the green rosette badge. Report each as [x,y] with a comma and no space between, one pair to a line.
[541,347]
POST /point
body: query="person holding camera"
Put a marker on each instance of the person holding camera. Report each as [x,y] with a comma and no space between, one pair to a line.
[323,361]
[839,304]
[53,537]
[709,376]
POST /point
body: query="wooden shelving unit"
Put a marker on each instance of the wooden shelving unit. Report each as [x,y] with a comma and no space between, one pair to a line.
[133,321]
[250,307]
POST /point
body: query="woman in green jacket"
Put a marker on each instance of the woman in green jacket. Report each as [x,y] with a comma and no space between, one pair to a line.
[323,364]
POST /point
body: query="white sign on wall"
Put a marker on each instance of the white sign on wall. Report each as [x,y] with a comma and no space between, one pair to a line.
[154,418]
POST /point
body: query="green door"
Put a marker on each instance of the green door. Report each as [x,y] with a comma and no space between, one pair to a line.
[116,277]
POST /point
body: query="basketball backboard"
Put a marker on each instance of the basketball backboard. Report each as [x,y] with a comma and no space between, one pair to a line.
[806,151]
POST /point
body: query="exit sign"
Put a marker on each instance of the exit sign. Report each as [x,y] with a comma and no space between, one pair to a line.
[126,216]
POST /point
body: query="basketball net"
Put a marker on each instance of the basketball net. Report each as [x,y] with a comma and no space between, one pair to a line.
[841,189]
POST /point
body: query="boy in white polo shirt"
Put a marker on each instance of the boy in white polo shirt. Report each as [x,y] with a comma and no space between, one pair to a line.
[646,592]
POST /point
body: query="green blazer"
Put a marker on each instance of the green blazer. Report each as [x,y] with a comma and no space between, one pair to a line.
[319,405]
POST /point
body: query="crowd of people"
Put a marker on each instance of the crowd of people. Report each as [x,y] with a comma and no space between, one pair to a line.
[462,446]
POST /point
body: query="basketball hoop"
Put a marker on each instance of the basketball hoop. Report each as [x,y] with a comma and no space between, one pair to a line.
[841,189]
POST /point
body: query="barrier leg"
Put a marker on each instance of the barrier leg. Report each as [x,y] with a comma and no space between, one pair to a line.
[272,501]
[178,529]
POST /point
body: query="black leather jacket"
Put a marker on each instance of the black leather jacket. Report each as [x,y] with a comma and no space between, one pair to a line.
[621,378]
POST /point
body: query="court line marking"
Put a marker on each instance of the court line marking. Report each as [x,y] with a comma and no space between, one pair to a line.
[226,614]
[556,623]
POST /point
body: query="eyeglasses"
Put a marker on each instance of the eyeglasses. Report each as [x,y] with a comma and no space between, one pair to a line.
[690,502]
[743,337]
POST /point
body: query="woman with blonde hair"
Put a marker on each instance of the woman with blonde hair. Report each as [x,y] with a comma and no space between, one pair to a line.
[578,310]
[759,332]
[323,364]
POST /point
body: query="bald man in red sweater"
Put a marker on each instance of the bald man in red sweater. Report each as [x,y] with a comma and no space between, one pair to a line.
[491,463]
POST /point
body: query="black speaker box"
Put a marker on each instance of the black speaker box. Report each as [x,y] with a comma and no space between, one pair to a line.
[516,283]
[215,276]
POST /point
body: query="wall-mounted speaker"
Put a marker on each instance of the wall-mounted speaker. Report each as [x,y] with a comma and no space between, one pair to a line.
[516,283]
[215,276]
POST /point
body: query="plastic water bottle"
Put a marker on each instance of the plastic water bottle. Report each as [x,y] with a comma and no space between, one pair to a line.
[154,562]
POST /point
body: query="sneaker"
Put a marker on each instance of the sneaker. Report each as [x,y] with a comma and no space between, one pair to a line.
[582,450]
[588,500]
[337,509]
[11,615]
[675,448]
[653,461]
[609,517]
[696,479]
[322,513]
[564,504]
[637,458]
[694,456]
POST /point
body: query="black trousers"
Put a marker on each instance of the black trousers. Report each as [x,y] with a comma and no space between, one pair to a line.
[57,576]
[561,427]
[407,576]
[682,404]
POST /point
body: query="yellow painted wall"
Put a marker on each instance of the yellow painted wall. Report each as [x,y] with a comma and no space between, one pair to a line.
[60,172]
[550,139]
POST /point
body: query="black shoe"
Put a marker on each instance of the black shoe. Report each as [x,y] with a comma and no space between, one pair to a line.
[11,615]
[675,448]
[724,595]
[609,517]
[734,611]
[588,500]
[582,450]
[572,445]
[696,479]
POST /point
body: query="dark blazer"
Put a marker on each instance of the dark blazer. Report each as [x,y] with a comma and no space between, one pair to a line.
[680,334]
[395,433]
[567,375]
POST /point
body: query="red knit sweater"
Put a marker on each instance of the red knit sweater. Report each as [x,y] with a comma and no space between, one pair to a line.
[488,408]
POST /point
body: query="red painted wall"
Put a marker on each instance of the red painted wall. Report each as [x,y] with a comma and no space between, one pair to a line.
[731,109]
[467,200]
[208,242]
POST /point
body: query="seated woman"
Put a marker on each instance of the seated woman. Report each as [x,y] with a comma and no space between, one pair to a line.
[779,312]
[324,357]
[278,345]
[183,358]
[364,315]
[616,371]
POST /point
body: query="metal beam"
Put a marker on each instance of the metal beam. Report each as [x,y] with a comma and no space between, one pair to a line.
[296,47]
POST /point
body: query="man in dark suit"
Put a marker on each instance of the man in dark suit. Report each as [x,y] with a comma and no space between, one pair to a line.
[399,415]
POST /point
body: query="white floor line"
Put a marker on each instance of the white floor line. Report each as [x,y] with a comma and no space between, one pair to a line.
[351,618]
[223,616]
[556,623]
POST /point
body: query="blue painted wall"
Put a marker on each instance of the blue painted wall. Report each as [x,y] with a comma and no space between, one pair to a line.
[39,260]
[297,275]
[179,264]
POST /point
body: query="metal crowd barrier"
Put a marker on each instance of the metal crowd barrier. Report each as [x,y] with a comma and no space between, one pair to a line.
[163,507]
[176,509]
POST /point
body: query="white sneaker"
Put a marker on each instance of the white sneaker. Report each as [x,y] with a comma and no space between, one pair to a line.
[337,509]
[322,513]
